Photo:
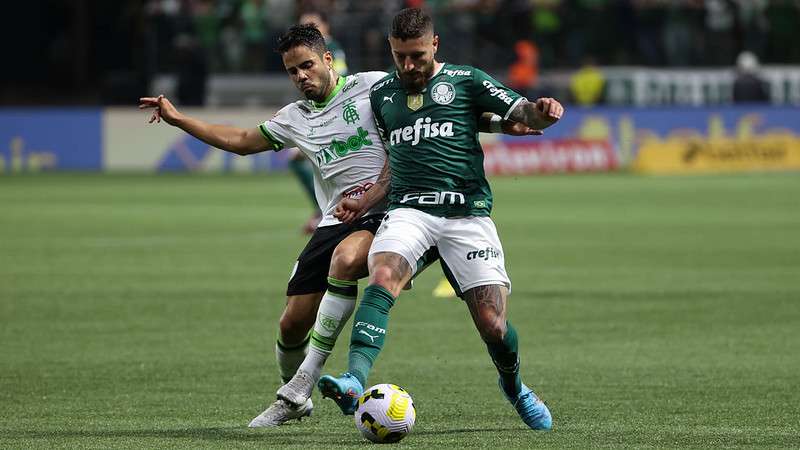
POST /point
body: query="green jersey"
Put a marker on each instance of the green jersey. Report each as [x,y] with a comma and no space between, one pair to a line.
[432,139]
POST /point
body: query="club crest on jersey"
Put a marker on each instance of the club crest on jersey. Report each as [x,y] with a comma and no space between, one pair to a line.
[414,102]
[349,112]
[443,93]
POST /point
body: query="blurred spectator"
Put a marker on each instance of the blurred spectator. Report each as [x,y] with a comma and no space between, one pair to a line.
[192,70]
[231,41]
[321,20]
[784,32]
[753,25]
[587,85]
[524,72]
[95,49]
[585,36]
[206,23]
[720,26]
[280,15]
[681,29]
[748,86]
[649,16]
[253,15]
[546,21]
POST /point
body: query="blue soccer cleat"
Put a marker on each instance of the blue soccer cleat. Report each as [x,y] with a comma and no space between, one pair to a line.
[344,390]
[531,409]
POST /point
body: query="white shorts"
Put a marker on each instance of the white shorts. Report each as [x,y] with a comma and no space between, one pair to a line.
[469,246]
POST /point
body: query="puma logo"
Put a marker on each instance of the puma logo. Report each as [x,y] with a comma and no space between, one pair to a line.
[390,98]
[371,337]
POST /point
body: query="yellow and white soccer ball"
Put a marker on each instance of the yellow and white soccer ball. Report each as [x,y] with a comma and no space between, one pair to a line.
[385,413]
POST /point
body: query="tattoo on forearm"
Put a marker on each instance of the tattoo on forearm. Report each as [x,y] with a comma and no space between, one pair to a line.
[385,178]
[525,112]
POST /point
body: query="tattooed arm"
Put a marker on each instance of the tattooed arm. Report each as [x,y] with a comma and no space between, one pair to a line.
[539,114]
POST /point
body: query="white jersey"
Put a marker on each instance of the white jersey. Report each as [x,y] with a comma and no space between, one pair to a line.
[339,137]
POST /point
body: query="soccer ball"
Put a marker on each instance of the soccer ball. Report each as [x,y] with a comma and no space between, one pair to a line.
[385,413]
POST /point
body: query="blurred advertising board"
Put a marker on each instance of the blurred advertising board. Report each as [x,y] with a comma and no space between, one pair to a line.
[130,143]
[654,140]
[731,141]
[38,139]
[647,140]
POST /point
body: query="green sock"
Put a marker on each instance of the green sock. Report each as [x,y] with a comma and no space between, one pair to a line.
[505,357]
[305,176]
[290,357]
[369,331]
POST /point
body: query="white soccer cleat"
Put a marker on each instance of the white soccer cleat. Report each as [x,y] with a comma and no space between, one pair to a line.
[281,412]
[298,389]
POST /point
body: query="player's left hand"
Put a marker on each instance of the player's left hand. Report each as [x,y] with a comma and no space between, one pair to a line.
[348,210]
[548,110]
[519,129]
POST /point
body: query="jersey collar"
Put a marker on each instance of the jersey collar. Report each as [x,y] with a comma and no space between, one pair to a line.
[439,70]
[324,103]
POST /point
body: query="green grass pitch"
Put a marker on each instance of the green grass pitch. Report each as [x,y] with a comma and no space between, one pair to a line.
[140,311]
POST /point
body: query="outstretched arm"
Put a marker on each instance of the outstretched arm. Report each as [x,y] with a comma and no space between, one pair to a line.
[538,115]
[229,138]
[492,123]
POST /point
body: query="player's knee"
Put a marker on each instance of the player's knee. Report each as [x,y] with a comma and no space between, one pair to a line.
[492,328]
[347,264]
[384,276]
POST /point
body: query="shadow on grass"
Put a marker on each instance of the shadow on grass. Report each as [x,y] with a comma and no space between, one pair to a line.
[445,432]
[274,436]
[211,433]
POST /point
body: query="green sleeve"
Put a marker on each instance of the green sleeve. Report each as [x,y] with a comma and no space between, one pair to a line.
[376,113]
[491,95]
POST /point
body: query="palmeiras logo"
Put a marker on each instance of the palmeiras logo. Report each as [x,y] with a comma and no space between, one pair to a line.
[349,112]
[443,93]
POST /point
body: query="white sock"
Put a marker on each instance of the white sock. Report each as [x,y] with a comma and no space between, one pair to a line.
[334,311]
[314,362]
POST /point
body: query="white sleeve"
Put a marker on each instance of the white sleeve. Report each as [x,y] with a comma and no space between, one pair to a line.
[278,130]
[372,77]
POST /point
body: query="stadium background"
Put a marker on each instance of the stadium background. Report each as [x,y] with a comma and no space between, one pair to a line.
[142,273]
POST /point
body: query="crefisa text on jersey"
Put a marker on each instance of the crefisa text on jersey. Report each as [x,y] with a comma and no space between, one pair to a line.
[422,128]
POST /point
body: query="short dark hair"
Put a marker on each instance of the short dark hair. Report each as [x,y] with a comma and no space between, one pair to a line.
[411,23]
[297,35]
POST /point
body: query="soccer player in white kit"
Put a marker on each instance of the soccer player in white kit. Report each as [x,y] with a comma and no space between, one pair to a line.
[334,127]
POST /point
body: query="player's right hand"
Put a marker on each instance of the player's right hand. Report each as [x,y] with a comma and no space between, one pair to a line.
[162,109]
[348,210]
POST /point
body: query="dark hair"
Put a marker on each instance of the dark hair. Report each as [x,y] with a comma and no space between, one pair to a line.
[307,35]
[410,23]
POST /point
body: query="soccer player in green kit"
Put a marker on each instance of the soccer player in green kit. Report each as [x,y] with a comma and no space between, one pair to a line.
[427,113]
